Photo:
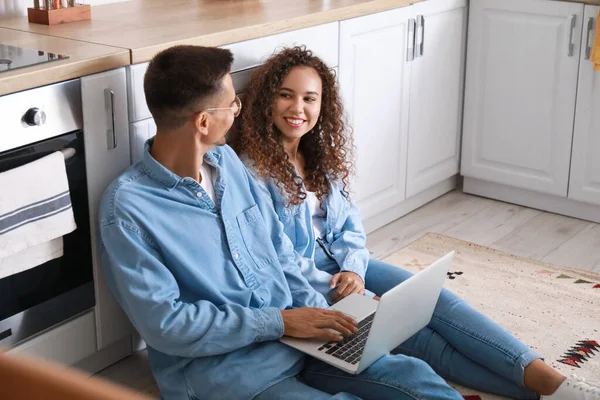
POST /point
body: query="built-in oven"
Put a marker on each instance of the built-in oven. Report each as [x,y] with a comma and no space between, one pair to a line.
[36,123]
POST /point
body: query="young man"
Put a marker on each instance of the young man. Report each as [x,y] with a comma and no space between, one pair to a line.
[198,260]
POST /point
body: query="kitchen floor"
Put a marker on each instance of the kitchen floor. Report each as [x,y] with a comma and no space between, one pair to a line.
[517,230]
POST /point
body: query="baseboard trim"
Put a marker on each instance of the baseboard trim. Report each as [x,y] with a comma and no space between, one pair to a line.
[410,204]
[528,198]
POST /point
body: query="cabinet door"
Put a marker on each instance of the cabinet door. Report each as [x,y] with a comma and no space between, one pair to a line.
[521,81]
[585,160]
[436,93]
[105,132]
[374,79]
[139,132]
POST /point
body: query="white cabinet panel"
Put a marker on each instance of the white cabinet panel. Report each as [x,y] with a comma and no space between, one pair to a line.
[585,160]
[106,138]
[139,132]
[436,92]
[521,81]
[374,79]
[138,109]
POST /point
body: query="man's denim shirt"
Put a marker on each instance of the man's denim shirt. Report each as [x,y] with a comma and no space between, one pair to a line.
[203,284]
[343,239]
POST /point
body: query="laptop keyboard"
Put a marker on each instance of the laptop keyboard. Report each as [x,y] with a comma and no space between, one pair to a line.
[351,348]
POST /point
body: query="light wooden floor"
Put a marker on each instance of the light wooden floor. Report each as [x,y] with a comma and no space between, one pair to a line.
[518,230]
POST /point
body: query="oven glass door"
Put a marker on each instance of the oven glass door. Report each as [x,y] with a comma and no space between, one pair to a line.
[48,294]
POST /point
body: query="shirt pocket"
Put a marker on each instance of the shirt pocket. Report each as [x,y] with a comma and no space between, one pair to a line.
[256,238]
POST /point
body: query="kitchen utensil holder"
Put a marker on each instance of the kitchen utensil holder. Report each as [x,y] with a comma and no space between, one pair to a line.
[56,16]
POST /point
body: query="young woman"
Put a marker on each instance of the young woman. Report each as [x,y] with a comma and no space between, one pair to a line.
[295,141]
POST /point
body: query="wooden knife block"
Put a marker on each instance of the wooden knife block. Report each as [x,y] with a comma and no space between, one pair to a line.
[59,16]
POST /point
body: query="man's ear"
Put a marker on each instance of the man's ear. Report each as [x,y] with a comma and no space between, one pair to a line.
[201,122]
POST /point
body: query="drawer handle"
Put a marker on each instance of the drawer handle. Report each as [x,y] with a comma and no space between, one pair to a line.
[5,334]
[571,33]
[109,103]
[588,44]
[410,48]
[421,29]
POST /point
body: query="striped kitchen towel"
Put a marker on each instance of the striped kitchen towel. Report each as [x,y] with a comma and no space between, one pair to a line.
[35,213]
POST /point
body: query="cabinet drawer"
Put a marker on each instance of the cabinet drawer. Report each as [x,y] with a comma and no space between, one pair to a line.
[65,344]
[321,39]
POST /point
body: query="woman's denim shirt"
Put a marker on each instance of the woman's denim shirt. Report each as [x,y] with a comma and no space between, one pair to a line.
[343,239]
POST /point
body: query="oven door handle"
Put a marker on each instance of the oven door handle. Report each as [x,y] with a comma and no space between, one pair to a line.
[68,152]
[111,135]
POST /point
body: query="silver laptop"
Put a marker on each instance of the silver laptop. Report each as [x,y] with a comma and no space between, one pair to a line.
[383,325]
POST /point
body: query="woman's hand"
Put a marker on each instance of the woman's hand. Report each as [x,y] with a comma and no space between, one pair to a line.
[347,283]
[309,322]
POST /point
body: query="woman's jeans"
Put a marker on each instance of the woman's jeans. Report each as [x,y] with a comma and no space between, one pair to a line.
[460,344]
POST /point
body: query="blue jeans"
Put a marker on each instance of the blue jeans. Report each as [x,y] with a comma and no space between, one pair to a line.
[393,377]
[460,344]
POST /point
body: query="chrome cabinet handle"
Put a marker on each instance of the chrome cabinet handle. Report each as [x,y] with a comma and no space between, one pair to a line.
[571,32]
[410,47]
[588,45]
[421,29]
[109,104]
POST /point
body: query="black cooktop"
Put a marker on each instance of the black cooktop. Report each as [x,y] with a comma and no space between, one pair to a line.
[12,57]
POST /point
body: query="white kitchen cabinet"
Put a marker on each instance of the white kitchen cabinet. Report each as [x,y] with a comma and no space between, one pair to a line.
[374,76]
[585,161]
[436,93]
[106,140]
[139,132]
[401,80]
[521,83]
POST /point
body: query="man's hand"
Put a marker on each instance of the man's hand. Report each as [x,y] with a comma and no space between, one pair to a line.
[308,322]
[347,283]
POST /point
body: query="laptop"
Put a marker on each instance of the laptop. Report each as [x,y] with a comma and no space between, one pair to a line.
[382,325]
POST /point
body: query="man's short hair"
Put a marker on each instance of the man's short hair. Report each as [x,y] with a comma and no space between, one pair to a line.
[181,80]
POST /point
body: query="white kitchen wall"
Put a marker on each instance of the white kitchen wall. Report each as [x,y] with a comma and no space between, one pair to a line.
[13,8]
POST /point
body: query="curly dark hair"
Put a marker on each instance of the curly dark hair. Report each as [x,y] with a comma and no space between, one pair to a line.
[327,148]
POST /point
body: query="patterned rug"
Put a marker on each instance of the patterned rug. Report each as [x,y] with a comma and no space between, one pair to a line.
[555,310]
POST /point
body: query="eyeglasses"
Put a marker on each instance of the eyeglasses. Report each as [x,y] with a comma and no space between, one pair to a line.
[236,108]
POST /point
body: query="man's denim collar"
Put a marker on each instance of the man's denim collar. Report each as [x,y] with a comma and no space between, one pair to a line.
[161,174]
